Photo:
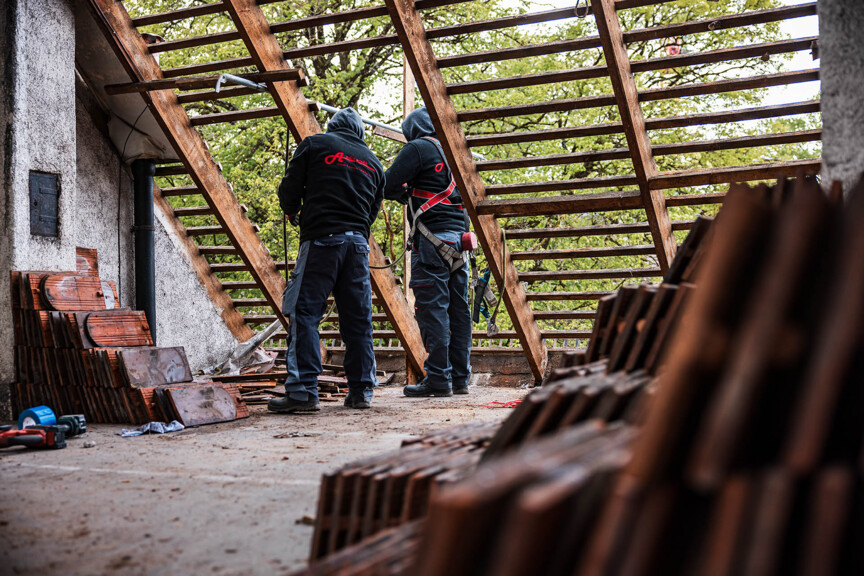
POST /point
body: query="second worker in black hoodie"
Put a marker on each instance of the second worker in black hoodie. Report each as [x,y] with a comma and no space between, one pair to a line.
[442,309]
[336,184]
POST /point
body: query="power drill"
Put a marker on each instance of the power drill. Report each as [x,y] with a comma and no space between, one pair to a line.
[44,436]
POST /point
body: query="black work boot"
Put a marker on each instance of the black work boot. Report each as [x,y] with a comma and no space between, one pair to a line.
[357,402]
[423,390]
[460,389]
[286,405]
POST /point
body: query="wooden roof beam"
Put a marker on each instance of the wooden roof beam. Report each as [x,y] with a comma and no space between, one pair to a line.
[598,230]
[730,174]
[201,82]
[556,205]
[668,31]
[593,274]
[132,52]
[267,55]
[418,52]
[627,96]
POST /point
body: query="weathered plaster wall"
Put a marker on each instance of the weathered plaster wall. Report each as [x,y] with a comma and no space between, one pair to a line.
[7,38]
[185,315]
[103,211]
[45,127]
[842,72]
[39,134]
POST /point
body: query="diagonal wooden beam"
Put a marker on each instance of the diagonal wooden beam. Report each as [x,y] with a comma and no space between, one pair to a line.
[215,290]
[267,55]
[132,52]
[627,98]
[418,51]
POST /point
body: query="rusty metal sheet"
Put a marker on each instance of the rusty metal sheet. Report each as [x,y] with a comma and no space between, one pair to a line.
[119,328]
[148,367]
[86,261]
[197,405]
[78,293]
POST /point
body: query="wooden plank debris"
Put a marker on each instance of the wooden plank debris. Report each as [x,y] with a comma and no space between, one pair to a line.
[96,362]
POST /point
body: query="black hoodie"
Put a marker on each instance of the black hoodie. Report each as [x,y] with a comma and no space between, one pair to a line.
[336,179]
[421,165]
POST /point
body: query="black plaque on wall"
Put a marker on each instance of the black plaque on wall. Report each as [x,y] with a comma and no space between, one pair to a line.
[44,196]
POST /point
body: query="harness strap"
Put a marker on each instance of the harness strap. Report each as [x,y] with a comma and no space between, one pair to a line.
[453,257]
[433,198]
[442,196]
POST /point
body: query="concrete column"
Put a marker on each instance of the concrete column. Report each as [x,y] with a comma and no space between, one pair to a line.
[841,49]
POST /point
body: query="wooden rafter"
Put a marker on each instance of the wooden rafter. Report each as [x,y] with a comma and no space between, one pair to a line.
[132,52]
[200,82]
[215,289]
[267,54]
[627,97]
[418,52]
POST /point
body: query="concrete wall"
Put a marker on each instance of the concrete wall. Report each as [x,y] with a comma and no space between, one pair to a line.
[45,127]
[185,315]
[7,38]
[38,121]
[842,72]
[103,212]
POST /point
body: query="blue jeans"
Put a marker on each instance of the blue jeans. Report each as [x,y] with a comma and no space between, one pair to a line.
[337,263]
[443,313]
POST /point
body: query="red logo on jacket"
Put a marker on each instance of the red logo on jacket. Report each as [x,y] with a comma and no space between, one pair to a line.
[439,167]
[342,157]
[350,162]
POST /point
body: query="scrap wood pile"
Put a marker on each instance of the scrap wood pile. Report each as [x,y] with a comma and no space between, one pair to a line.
[615,378]
[749,460]
[379,493]
[370,495]
[77,351]
[472,519]
[259,388]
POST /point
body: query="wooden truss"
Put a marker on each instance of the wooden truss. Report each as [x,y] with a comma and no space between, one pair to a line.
[265,51]
[644,190]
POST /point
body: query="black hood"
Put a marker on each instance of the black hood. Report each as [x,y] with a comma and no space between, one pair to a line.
[347,120]
[418,124]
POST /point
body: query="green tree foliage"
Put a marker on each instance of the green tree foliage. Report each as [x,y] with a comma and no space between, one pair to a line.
[252,152]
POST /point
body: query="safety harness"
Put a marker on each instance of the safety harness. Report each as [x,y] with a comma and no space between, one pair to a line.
[484,298]
[453,257]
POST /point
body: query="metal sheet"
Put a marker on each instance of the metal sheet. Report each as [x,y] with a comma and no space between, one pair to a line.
[148,367]
[197,405]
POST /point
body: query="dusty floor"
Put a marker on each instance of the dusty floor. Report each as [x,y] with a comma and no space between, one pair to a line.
[221,499]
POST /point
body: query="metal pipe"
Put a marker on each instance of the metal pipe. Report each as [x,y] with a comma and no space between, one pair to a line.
[333,110]
[225,78]
[143,171]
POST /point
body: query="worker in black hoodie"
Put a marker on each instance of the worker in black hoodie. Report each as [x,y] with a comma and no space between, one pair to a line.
[336,185]
[420,175]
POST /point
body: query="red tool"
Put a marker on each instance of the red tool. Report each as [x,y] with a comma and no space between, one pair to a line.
[33,437]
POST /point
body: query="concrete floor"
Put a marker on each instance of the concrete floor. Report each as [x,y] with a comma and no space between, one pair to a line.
[221,499]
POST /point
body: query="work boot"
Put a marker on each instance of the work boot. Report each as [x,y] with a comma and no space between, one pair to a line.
[423,390]
[460,389]
[286,405]
[357,402]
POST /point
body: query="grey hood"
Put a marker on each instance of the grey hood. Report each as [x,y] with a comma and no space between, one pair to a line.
[418,124]
[347,120]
